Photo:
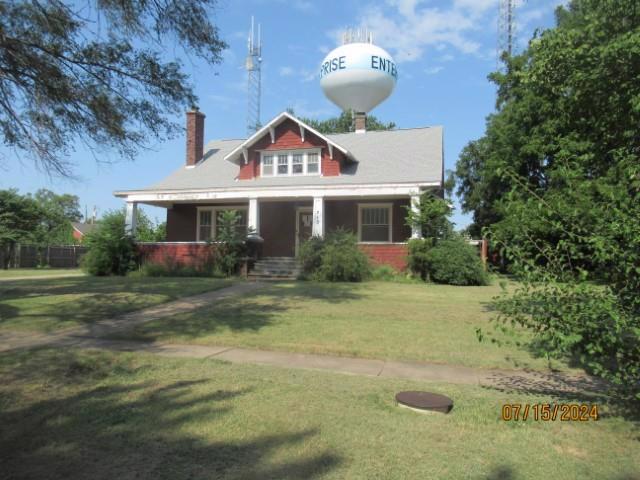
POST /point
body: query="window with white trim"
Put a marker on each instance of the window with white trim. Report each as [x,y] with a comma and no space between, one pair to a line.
[267,165]
[204,225]
[374,223]
[209,222]
[297,165]
[290,163]
[283,164]
[313,163]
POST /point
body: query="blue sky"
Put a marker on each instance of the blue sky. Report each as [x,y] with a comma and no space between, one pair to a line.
[444,51]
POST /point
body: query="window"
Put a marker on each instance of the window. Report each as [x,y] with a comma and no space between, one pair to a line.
[283,164]
[204,229]
[209,222]
[267,165]
[288,163]
[312,163]
[298,165]
[375,223]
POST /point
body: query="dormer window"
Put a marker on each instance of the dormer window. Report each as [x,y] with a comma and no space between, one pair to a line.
[290,163]
[267,165]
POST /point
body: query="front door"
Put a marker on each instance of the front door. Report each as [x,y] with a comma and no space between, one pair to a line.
[304,226]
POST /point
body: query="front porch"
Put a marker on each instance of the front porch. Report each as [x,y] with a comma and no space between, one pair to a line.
[284,224]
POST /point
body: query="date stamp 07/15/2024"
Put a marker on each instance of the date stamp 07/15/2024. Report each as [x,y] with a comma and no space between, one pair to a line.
[549,412]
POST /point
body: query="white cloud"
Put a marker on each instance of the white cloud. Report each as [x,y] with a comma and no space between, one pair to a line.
[409,27]
[324,49]
[433,70]
[286,71]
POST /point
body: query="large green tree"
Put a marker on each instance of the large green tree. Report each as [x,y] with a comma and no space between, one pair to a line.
[19,217]
[97,72]
[58,211]
[344,123]
[556,179]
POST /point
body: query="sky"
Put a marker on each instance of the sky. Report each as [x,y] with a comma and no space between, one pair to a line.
[444,50]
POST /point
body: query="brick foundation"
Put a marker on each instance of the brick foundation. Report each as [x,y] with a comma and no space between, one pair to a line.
[176,254]
[392,254]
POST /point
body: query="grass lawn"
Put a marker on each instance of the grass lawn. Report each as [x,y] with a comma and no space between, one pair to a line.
[38,272]
[374,320]
[99,415]
[50,304]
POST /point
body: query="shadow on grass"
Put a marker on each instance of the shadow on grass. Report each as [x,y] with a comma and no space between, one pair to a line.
[252,312]
[564,388]
[132,428]
[89,298]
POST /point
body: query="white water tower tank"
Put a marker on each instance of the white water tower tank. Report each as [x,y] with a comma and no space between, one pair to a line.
[358,75]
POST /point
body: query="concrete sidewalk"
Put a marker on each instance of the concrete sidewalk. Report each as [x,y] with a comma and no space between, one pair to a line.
[43,277]
[541,382]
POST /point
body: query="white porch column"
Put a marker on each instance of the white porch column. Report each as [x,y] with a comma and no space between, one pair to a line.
[254,215]
[416,232]
[318,217]
[131,219]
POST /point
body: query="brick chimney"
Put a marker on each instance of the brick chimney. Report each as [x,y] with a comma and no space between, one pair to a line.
[361,122]
[195,137]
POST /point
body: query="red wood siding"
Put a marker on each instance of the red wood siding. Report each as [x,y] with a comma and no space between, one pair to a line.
[331,166]
[287,137]
[393,254]
[176,254]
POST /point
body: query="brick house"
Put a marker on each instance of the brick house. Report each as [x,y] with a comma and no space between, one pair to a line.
[289,182]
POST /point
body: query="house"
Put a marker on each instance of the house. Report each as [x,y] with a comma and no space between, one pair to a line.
[289,182]
[81,229]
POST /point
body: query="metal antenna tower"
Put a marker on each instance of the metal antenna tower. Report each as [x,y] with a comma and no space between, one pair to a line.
[506,29]
[254,80]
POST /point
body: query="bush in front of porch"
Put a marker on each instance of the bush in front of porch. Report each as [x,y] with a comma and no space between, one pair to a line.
[336,258]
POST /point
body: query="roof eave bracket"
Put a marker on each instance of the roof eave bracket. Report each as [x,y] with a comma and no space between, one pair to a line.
[245,155]
[272,132]
[301,132]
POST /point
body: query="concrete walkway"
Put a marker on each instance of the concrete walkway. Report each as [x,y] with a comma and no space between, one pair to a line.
[90,337]
[16,339]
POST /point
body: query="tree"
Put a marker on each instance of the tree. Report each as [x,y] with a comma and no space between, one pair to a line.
[58,211]
[97,72]
[19,217]
[344,123]
[432,218]
[555,182]
[110,250]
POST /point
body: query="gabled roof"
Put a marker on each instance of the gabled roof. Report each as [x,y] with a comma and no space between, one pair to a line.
[269,129]
[83,228]
[403,156]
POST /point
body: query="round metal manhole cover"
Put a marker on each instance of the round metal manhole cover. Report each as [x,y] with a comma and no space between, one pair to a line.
[425,402]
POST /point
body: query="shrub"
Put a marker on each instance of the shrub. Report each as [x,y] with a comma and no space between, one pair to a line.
[337,258]
[176,270]
[310,256]
[418,250]
[230,246]
[454,262]
[110,250]
[384,273]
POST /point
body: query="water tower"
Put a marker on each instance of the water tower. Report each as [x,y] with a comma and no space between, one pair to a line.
[358,75]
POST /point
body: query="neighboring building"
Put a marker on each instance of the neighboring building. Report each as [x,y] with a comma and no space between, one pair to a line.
[81,229]
[290,182]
